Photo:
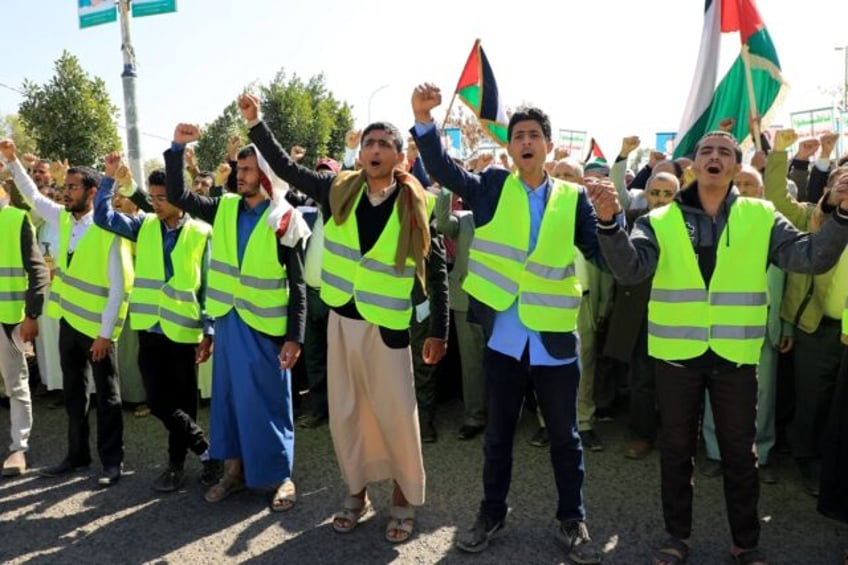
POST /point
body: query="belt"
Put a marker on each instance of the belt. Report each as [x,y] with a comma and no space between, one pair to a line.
[828,321]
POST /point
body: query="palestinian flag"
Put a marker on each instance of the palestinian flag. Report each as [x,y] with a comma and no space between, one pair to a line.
[479,91]
[708,105]
[595,155]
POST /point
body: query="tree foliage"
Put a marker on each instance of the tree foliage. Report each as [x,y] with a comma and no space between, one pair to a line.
[212,146]
[70,116]
[306,114]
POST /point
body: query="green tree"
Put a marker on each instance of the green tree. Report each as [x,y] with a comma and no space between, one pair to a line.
[70,116]
[13,127]
[306,114]
[212,146]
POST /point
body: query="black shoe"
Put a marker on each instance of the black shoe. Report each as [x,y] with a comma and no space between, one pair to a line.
[212,472]
[711,468]
[428,433]
[66,467]
[469,432]
[575,536]
[540,438]
[170,480]
[476,538]
[311,421]
[591,441]
[4,401]
[110,475]
[604,415]
[811,487]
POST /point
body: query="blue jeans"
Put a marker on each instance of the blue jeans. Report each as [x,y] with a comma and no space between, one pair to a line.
[556,391]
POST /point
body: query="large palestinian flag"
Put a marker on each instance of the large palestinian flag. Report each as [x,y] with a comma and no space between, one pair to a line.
[708,104]
[478,89]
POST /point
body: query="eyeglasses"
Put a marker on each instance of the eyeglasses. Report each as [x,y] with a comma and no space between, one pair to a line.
[656,192]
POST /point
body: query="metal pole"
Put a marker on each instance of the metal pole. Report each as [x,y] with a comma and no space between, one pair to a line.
[371,98]
[128,79]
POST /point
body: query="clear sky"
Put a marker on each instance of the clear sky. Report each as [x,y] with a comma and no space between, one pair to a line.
[612,67]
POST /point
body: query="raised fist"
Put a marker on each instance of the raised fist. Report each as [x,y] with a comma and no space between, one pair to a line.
[8,149]
[784,138]
[727,125]
[425,97]
[828,142]
[629,144]
[113,161]
[233,146]
[186,133]
[656,157]
[222,173]
[123,175]
[29,160]
[560,153]
[352,138]
[297,153]
[58,170]
[249,106]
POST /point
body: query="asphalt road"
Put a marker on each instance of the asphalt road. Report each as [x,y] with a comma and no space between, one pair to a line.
[70,520]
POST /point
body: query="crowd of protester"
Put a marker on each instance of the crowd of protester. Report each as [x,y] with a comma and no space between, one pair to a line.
[699,298]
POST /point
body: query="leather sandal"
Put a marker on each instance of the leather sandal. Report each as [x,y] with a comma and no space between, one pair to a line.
[354,510]
[402,521]
[672,552]
[224,488]
[285,497]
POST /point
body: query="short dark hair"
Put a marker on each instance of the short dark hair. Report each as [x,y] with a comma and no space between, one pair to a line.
[388,128]
[246,152]
[726,135]
[531,113]
[206,175]
[157,177]
[90,177]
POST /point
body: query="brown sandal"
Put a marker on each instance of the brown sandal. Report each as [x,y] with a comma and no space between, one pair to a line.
[285,497]
[354,510]
[224,488]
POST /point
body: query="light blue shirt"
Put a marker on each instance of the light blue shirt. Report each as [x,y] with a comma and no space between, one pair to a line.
[509,335]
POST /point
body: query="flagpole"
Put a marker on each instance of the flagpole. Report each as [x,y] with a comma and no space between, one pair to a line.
[453,98]
[752,99]
[450,107]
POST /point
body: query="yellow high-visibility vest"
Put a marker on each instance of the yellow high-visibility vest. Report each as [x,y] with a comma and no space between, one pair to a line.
[500,270]
[13,277]
[173,304]
[382,294]
[79,291]
[684,316]
[258,289]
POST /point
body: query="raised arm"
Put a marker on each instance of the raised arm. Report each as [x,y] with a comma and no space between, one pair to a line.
[201,207]
[105,216]
[313,184]
[45,207]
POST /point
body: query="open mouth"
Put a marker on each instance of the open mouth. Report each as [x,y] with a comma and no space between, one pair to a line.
[713,169]
[375,163]
[527,155]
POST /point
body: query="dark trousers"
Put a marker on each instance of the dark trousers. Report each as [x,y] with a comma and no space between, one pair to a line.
[315,351]
[556,393]
[817,357]
[170,383]
[425,380]
[733,394]
[75,354]
[643,393]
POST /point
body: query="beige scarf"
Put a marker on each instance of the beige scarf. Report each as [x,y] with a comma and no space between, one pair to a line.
[411,203]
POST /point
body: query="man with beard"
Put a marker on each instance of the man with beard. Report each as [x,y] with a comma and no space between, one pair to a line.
[379,256]
[257,296]
[89,296]
[708,252]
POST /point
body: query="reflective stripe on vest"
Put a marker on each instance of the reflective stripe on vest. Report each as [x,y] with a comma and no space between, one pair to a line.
[382,292]
[259,289]
[684,317]
[845,317]
[79,292]
[172,304]
[13,277]
[545,282]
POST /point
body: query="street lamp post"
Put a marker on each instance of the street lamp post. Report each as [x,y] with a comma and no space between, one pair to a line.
[371,97]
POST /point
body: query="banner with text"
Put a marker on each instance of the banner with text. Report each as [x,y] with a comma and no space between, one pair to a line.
[96,12]
[573,140]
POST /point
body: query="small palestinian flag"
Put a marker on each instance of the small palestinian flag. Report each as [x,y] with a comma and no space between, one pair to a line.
[595,159]
[479,91]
